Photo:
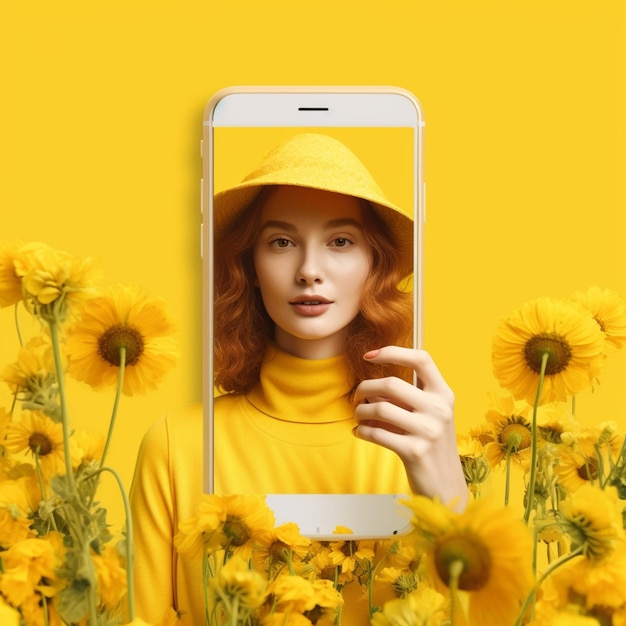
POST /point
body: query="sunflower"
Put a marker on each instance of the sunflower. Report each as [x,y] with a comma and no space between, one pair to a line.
[247,518]
[38,435]
[565,332]
[609,311]
[593,521]
[123,319]
[278,546]
[492,547]
[512,430]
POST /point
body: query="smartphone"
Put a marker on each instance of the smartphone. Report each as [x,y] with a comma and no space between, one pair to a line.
[383,127]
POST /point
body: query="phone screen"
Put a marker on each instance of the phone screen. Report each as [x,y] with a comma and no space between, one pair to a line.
[277,446]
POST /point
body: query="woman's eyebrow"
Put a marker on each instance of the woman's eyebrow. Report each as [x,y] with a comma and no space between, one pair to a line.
[278,225]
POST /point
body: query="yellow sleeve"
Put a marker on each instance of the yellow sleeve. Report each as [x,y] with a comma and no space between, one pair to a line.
[152,506]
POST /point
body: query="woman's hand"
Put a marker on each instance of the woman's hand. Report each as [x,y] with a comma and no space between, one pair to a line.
[416,422]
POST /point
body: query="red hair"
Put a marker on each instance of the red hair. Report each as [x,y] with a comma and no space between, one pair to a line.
[243,330]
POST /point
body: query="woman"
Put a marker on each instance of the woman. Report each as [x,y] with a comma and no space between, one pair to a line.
[310,324]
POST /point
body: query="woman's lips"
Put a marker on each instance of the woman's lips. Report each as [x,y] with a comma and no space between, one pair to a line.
[310,307]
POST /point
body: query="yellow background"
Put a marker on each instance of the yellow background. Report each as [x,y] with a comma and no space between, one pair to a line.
[525,108]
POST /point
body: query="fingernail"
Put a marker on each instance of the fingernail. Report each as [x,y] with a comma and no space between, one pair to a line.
[372,354]
[355,431]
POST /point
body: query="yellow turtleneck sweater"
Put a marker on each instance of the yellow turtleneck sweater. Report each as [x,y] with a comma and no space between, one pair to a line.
[290,434]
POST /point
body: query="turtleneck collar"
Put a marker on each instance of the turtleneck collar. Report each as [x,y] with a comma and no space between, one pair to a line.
[299,390]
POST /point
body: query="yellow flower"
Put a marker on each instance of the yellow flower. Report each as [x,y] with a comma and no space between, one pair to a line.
[25,564]
[122,319]
[423,607]
[202,532]
[52,280]
[237,588]
[493,547]
[566,332]
[592,520]
[609,311]
[595,587]
[247,519]
[8,615]
[110,576]
[280,545]
[10,282]
[39,435]
[352,556]
[402,582]
[292,593]
[14,513]
[511,428]
[34,360]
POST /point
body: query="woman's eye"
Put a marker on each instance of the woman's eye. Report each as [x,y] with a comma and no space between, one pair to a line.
[280,243]
[341,242]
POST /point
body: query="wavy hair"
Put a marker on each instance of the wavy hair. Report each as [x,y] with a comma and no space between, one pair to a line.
[243,331]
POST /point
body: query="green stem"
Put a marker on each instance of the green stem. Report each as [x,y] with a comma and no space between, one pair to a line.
[533,442]
[116,403]
[56,350]
[507,478]
[130,574]
[549,570]
[455,570]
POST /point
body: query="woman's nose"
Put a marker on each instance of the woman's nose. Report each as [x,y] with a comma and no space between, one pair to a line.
[310,270]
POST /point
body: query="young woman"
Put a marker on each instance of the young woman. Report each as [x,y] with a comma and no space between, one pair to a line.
[311,324]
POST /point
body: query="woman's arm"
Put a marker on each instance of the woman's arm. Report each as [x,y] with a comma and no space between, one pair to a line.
[416,422]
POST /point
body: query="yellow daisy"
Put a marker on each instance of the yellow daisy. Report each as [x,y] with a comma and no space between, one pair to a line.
[609,311]
[565,332]
[10,282]
[247,518]
[423,607]
[122,319]
[38,435]
[278,546]
[492,547]
[592,520]
[511,428]
[352,556]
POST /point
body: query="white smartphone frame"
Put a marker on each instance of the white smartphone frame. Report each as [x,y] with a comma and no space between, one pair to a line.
[373,516]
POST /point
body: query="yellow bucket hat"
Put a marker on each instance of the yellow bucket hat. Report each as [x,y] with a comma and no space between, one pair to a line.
[319,162]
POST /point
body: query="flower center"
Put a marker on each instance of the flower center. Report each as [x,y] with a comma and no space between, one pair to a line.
[515,436]
[470,551]
[117,337]
[40,444]
[588,470]
[558,350]
[237,531]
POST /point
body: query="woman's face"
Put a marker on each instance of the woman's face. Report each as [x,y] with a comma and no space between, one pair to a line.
[311,260]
